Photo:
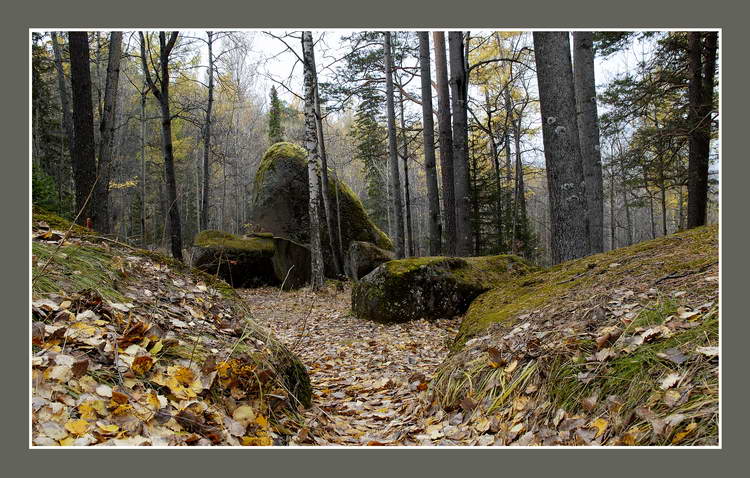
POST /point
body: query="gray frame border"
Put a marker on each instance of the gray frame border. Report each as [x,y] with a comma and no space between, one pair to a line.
[392,14]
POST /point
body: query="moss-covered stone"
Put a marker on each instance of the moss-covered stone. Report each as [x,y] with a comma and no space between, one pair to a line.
[430,287]
[364,257]
[242,262]
[280,202]
[674,254]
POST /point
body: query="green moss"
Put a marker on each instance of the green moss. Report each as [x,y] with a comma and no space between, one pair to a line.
[689,250]
[220,239]
[354,217]
[430,287]
[278,151]
[56,222]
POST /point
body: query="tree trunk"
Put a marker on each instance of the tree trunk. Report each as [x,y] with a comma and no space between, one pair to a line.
[446,143]
[313,164]
[458,83]
[700,94]
[332,242]
[570,235]
[144,92]
[612,230]
[395,190]
[107,133]
[161,93]
[428,133]
[64,98]
[83,157]
[498,178]
[588,126]
[207,135]
[519,201]
[407,196]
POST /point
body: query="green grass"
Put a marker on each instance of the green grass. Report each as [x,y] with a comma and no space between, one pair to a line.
[74,268]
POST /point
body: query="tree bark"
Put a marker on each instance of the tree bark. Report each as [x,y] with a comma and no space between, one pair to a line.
[568,212]
[700,94]
[207,135]
[106,134]
[407,195]
[327,207]
[458,83]
[428,133]
[67,118]
[395,190]
[445,137]
[588,126]
[161,92]
[313,163]
[83,157]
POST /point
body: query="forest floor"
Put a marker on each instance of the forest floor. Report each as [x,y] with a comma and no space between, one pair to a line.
[368,379]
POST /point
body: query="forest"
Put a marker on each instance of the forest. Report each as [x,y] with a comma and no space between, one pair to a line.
[353,237]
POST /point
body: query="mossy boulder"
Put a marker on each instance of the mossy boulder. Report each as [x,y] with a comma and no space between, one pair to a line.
[364,257]
[280,202]
[430,287]
[242,262]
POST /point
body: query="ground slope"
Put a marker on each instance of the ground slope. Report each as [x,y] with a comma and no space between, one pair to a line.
[132,348]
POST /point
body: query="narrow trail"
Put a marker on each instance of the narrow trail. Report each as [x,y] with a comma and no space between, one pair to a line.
[366,377]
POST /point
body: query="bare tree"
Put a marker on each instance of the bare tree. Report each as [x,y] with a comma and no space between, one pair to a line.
[106,135]
[159,86]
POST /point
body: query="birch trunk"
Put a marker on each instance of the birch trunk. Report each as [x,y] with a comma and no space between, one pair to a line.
[313,163]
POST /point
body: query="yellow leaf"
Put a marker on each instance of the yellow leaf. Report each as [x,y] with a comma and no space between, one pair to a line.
[87,410]
[683,434]
[601,425]
[262,421]
[183,375]
[257,441]
[157,347]
[77,427]
[67,441]
[108,429]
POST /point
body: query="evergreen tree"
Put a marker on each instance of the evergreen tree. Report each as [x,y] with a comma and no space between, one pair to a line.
[275,128]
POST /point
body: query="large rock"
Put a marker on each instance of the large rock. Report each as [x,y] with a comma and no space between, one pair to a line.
[253,260]
[430,287]
[280,203]
[364,257]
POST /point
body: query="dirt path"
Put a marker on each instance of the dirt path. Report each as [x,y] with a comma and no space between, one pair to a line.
[366,376]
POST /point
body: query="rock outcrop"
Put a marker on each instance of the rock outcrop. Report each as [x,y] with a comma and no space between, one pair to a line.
[280,203]
[364,257]
[254,260]
[430,287]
